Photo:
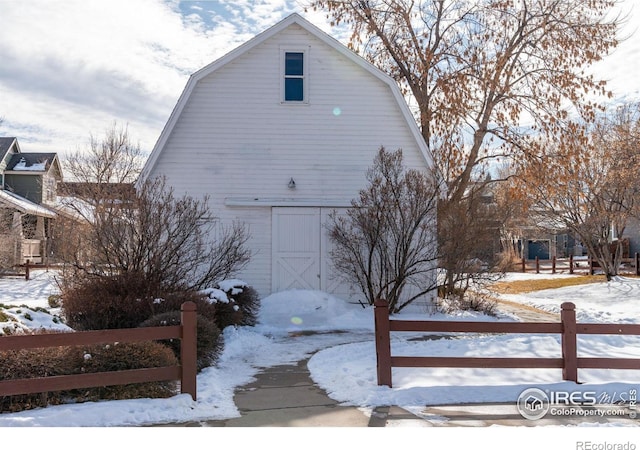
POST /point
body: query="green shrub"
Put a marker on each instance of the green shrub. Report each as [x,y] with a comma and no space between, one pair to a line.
[173,302]
[236,303]
[4,317]
[44,362]
[123,301]
[123,356]
[54,301]
[33,363]
[209,339]
[249,302]
[104,303]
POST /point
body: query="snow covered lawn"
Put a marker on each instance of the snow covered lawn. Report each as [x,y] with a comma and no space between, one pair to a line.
[344,363]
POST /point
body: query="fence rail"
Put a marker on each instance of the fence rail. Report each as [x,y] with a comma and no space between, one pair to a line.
[567,328]
[185,372]
[572,265]
[21,270]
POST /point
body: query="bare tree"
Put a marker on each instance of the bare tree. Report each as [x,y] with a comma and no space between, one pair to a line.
[588,184]
[145,230]
[110,163]
[386,243]
[484,77]
[476,69]
[100,173]
[514,217]
[113,159]
[164,238]
[469,252]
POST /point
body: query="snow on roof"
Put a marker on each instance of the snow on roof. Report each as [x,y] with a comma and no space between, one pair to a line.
[75,208]
[31,162]
[22,165]
[22,204]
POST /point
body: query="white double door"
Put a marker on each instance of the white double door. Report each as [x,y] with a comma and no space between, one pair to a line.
[300,251]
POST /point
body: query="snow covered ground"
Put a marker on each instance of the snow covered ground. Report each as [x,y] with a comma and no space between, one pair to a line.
[344,363]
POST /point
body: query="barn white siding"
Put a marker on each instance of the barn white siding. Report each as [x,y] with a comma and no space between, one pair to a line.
[232,138]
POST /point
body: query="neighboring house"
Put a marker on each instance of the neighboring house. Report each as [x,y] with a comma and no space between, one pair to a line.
[279,133]
[27,197]
[76,217]
[632,233]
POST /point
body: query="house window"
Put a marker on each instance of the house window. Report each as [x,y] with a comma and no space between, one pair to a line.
[295,80]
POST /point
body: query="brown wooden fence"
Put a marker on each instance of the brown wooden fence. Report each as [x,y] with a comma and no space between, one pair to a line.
[21,270]
[567,328]
[570,265]
[185,372]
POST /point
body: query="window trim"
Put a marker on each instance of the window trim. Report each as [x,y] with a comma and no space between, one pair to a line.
[305,75]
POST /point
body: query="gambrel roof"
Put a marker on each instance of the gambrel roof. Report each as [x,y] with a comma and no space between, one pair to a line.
[259,39]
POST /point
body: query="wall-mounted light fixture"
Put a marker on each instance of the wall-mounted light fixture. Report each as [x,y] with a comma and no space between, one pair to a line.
[292,184]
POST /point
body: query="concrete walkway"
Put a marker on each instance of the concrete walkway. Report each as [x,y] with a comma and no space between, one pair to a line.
[286,396]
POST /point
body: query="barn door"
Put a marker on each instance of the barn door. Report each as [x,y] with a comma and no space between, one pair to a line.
[295,248]
[329,282]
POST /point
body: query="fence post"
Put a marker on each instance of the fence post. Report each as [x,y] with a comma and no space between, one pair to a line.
[571,264]
[26,270]
[537,264]
[591,268]
[553,265]
[524,265]
[637,264]
[569,342]
[383,342]
[188,355]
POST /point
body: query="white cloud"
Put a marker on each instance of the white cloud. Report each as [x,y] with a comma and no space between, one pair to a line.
[72,67]
[621,67]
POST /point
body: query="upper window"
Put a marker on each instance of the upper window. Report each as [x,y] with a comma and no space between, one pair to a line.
[294,76]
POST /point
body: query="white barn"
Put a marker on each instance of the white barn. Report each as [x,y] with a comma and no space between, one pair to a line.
[279,132]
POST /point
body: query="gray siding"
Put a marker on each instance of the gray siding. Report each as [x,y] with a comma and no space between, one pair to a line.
[633,233]
[27,186]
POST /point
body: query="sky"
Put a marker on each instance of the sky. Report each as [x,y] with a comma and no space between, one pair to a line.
[344,364]
[70,69]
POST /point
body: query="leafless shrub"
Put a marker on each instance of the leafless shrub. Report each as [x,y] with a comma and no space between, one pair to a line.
[386,243]
[152,232]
